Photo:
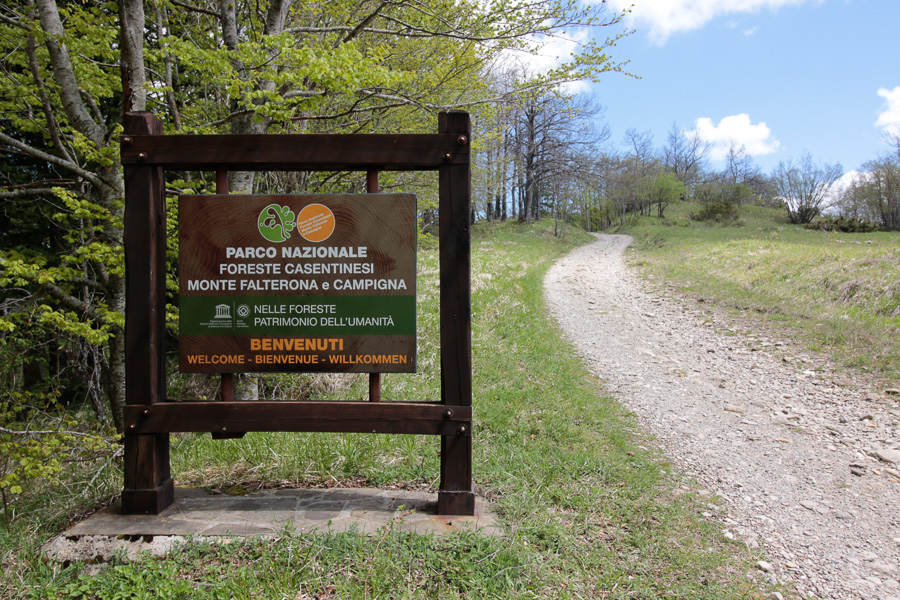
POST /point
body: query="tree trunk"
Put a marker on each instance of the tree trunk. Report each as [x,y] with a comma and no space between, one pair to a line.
[134,79]
[115,297]
[502,198]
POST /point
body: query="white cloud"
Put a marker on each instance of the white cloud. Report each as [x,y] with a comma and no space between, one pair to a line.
[840,186]
[846,180]
[889,119]
[738,130]
[662,18]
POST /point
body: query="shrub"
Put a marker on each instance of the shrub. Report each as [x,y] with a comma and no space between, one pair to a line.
[719,211]
[843,225]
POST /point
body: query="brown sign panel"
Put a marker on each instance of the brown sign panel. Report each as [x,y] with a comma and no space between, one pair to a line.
[312,283]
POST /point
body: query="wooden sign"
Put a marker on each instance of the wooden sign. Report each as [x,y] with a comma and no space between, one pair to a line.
[253,228]
[313,283]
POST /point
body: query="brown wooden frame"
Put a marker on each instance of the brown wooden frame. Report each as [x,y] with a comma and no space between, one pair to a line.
[150,416]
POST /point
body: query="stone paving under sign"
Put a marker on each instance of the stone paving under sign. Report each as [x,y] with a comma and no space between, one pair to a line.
[200,513]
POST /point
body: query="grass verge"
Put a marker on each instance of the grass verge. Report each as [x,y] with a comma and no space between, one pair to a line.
[589,511]
[835,292]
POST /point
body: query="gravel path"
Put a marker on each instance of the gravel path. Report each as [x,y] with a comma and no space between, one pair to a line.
[805,458]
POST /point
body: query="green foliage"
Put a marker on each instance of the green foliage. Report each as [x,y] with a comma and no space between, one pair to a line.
[31,458]
[842,224]
[718,211]
[666,190]
[37,435]
[62,304]
[875,194]
[62,265]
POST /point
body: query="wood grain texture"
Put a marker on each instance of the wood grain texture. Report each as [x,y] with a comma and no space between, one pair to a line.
[457,488]
[297,152]
[148,485]
[358,417]
[145,274]
[455,272]
[385,224]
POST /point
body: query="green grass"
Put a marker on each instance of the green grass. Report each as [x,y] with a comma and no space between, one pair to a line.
[833,292]
[588,509]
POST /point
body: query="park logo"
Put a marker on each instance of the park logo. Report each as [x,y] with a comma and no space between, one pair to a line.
[276,222]
[315,223]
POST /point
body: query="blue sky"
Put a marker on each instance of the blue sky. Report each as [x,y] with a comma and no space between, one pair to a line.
[779,76]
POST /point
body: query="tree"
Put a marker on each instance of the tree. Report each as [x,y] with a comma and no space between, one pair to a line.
[627,185]
[63,115]
[804,188]
[71,69]
[684,155]
[739,166]
[666,190]
[641,166]
[875,194]
[554,129]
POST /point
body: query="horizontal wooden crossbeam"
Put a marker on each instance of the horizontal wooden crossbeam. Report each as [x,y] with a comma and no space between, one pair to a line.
[356,417]
[297,152]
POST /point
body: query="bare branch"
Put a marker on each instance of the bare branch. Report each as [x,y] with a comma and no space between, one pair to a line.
[226,119]
[353,110]
[45,432]
[26,192]
[364,23]
[195,8]
[95,108]
[59,294]
[52,159]
[14,23]
[52,125]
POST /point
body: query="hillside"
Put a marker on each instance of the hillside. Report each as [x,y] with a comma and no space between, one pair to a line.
[837,293]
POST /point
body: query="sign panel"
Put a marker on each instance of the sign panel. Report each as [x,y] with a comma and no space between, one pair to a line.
[313,283]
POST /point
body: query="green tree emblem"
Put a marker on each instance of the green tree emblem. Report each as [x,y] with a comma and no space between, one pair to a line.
[276,222]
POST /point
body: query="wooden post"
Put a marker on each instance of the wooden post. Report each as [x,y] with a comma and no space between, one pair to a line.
[456,495]
[148,484]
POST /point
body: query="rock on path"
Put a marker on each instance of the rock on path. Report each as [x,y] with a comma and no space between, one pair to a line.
[805,459]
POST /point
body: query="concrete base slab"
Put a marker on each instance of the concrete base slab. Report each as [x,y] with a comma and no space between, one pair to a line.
[200,513]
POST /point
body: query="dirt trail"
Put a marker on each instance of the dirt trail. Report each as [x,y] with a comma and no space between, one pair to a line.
[805,459]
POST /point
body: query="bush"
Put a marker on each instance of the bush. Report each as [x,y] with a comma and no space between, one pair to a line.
[719,211]
[843,225]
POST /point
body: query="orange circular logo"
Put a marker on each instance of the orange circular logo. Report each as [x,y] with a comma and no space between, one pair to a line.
[315,223]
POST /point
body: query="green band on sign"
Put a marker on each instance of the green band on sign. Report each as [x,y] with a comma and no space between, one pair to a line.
[289,315]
